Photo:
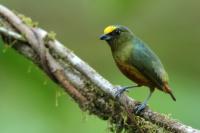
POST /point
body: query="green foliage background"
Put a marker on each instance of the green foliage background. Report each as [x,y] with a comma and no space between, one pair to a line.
[31,103]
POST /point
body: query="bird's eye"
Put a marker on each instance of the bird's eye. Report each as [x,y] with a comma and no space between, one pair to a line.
[117,32]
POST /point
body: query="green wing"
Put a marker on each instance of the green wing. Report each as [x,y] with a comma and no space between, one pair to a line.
[146,61]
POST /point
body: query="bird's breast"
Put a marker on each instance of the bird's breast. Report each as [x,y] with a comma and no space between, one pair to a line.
[122,58]
[132,73]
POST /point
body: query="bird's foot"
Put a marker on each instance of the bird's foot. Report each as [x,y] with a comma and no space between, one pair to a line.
[120,90]
[140,107]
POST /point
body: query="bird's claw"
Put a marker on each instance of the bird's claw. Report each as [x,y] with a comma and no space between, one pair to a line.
[120,90]
[139,108]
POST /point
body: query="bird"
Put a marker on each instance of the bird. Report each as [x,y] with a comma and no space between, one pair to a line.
[136,61]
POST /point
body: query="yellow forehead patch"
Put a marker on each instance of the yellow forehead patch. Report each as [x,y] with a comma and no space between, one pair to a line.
[109,29]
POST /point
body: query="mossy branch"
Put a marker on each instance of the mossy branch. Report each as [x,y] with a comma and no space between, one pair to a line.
[90,90]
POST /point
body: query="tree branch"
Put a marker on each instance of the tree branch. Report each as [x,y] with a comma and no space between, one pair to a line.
[89,89]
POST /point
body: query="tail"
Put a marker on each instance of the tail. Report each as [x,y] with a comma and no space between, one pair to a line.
[168,90]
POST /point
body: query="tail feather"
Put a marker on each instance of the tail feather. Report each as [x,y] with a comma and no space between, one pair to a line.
[172,96]
[168,90]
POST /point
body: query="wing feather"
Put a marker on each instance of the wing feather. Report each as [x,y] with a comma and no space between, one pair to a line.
[146,61]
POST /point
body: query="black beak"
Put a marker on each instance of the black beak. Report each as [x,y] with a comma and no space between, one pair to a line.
[105,37]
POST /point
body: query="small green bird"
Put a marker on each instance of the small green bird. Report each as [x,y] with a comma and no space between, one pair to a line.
[137,61]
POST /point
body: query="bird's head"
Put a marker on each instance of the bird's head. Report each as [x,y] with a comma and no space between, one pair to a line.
[116,34]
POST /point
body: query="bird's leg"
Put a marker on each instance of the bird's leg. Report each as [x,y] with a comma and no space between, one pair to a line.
[141,106]
[120,89]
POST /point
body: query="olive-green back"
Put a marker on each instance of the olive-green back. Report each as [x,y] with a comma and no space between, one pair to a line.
[146,61]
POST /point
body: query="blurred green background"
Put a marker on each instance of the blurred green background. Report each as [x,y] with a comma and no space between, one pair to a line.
[31,103]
